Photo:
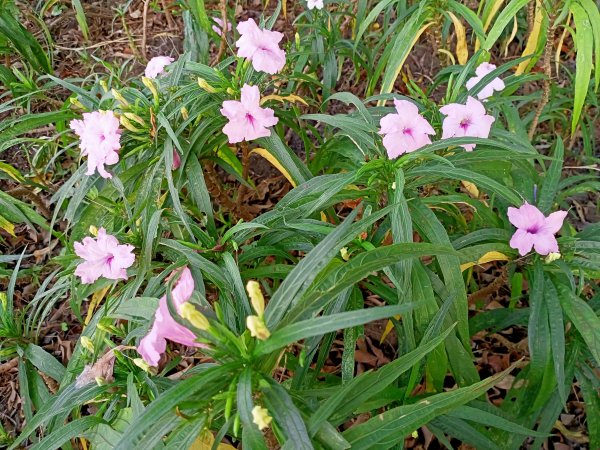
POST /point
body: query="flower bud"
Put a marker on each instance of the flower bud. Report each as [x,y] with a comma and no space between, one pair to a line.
[150,85]
[184,113]
[128,125]
[204,85]
[119,97]
[261,417]
[256,297]
[257,327]
[135,118]
[93,230]
[552,257]
[193,316]
[87,343]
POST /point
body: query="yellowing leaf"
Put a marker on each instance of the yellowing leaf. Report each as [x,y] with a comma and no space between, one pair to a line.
[462,51]
[205,442]
[512,35]
[560,42]
[532,40]
[388,328]
[12,172]
[96,299]
[323,217]
[275,162]
[488,257]
[292,98]
[471,188]
[8,226]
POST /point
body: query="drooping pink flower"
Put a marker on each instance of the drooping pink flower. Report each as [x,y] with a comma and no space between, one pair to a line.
[100,140]
[466,120]
[405,131]
[218,28]
[154,344]
[488,90]
[247,120]
[104,257]
[535,230]
[156,66]
[261,47]
[311,4]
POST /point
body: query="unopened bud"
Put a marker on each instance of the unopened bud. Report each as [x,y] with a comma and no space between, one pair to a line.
[135,118]
[184,113]
[150,85]
[257,327]
[93,230]
[128,125]
[193,316]
[256,297]
[207,87]
[119,97]
[87,343]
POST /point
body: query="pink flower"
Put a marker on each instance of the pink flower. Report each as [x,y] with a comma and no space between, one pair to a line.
[488,90]
[311,4]
[466,120]
[247,120]
[535,230]
[104,257]
[176,160]
[156,66]
[261,47]
[405,131]
[100,140]
[154,344]
[218,28]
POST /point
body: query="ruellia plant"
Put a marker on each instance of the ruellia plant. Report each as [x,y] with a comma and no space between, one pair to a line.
[203,323]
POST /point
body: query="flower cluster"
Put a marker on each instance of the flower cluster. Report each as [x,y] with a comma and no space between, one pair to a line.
[407,130]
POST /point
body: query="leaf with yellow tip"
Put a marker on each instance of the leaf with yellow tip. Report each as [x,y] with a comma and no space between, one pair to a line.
[275,162]
[8,226]
[533,39]
[388,328]
[488,257]
[462,51]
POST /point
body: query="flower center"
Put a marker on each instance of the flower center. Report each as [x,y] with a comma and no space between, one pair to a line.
[102,138]
[465,123]
[408,131]
[533,229]
[250,119]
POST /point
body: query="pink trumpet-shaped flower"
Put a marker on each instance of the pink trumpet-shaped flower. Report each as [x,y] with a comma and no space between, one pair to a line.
[535,230]
[488,90]
[154,344]
[104,257]
[311,4]
[218,28]
[405,131]
[261,47]
[100,140]
[247,120]
[156,66]
[466,120]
